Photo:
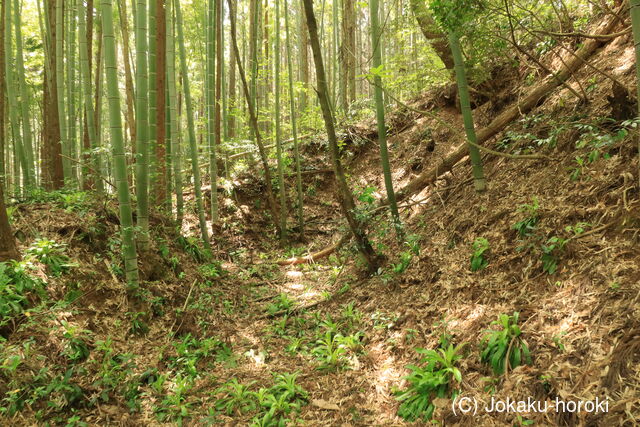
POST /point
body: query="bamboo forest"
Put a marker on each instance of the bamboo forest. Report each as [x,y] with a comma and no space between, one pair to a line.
[319,213]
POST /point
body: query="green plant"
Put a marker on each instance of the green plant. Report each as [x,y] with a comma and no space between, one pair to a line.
[551,254]
[18,290]
[50,254]
[526,226]
[330,352]
[175,405]
[236,398]
[413,249]
[281,303]
[505,348]
[191,245]
[433,379]
[76,348]
[480,249]
[138,324]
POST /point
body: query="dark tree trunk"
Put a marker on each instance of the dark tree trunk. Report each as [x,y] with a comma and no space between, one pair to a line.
[52,172]
[161,182]
[7,241]
[345,196]
[432,32]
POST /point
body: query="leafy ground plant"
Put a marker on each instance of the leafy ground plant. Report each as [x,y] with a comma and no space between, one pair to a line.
[505,347]
[432,379]
[480,250]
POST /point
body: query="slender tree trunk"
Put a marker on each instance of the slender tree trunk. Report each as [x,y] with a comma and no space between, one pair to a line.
[97,103]
[304,60]
[279,154]
[347,54]
[210,99]
[124,28]
[25,101]
[294,128]
[191,127]
[8,248]
[62,114]
[142,127]
[231,90]
[376,36]
[173,114]
[14,118]
[89,113]
[86,143]
[219,50]
[52,169]
[467,115]
[254,123]
[635,21]
[161,170]
[71,91]
[117,146]
[3,91]
[153,100]
[344,193]
[432,32]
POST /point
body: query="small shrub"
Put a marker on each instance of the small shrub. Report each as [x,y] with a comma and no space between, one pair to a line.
[480,249]
[505,345]
[551,254]
[433,379]
[50,254]
[526,226]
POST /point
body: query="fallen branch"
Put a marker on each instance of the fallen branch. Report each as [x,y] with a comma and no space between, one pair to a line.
[506,117]
[317,255]
[585,35]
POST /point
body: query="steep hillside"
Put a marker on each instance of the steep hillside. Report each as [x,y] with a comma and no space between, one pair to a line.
[216,338]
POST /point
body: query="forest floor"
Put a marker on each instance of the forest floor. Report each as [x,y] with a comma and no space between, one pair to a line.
[208,340]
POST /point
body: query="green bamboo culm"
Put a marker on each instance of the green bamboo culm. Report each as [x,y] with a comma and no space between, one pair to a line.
[465,105]
[142,127]
[27,134]
[635,22]
[294,128]
[62,115]
[18,148]
[173,115]
[117,146]
[191,127]
[279,154]
[209,96]
[382,129]
[86,94]
[71,91]
[153,97]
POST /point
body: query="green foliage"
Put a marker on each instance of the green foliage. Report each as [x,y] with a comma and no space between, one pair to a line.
[190,351]
[526,226]
[551,254]
[413,249]
[191,245]
[17,290]
[505,345]
[76,348]
[432,379]
[50,254]
[138,324]
[174,405]
[281,303]
[236,398]
[116,375]
[453,14]
[480,249]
